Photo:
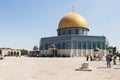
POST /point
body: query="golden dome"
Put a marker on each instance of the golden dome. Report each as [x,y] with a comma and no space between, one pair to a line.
[73,20]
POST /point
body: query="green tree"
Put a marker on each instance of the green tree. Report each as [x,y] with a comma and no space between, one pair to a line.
[24,52]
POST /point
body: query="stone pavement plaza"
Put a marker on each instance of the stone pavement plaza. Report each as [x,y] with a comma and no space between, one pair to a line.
[25,68]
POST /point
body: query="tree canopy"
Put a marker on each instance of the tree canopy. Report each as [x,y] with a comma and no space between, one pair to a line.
[24,52]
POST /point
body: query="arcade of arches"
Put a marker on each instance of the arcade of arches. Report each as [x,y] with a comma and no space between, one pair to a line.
[10,52]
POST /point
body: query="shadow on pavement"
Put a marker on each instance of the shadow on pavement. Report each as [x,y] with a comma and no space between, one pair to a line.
[116,68]
[101,67]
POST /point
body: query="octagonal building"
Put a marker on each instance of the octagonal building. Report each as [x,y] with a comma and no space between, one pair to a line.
[72,39]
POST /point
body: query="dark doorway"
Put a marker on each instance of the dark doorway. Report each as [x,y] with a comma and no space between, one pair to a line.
[54,53]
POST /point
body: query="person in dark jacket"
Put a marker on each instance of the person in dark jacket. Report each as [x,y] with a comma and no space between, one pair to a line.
[91,58]
[108,60]
[87,57]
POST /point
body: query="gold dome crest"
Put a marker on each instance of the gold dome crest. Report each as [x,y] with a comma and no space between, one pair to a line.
[73,20]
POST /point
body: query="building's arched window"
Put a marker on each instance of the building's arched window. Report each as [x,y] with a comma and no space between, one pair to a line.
[76,31]
[98,45]
[79,45]
[49,45]
[69,45]
[102,45]
[58,33]
[59,45]
[93,45]
[63,45]
[84,45]
[66,45]
[46,46]
[42,46]
[89,45]
[82,31]
[63,32]
[74,45]
[69,31]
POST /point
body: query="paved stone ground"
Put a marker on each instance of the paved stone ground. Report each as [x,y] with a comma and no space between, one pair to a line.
[23,68]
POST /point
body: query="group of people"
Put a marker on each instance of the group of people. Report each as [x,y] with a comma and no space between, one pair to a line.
[109,58]
[87,58]
[94,58]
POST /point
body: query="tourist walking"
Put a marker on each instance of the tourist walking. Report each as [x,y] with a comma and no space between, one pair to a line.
[108,60]
[91,58]
[87,57]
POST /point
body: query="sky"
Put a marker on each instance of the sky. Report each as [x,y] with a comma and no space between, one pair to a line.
[24,22]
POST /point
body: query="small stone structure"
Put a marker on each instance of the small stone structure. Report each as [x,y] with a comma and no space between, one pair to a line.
[10,52]
[84,67]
